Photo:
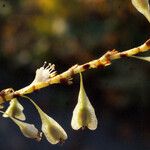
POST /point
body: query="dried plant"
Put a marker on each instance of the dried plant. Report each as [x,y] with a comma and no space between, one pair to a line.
[84,113]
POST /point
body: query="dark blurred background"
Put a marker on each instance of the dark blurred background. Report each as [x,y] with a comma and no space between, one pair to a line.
[66,32]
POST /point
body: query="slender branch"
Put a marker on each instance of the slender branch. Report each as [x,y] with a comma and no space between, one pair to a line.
[66,77]
[102,62]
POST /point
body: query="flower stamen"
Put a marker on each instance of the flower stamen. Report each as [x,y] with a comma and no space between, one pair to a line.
[44,73]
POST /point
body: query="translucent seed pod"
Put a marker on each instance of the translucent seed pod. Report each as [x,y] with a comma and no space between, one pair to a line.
[83,113]
[53,132]
[28,130]
[15,110]
[143,7]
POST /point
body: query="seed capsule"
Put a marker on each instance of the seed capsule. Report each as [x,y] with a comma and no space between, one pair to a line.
[28,130]
[53,132]
[143,7]
[84,113]
[15,110]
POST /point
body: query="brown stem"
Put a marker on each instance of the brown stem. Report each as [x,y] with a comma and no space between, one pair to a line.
[66,77]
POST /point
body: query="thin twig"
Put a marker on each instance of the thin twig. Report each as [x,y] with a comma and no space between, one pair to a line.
[102,62]
[66,77]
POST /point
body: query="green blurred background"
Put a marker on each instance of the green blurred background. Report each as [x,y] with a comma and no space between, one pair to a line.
[67,32]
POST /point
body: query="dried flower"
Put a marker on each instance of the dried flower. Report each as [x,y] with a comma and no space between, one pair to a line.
[83,114]
[143,7]
[51,129]
[15,110]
